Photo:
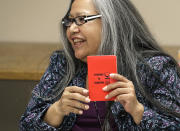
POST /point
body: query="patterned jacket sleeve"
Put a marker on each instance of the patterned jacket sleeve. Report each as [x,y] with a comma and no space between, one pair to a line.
[32,119]
[153,118]
[166,90]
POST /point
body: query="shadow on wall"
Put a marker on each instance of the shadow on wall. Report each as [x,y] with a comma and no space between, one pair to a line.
[14,98]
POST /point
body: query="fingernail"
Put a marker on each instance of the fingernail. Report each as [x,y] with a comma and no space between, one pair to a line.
[105,88]
[106,97]
[85,91]
[87,100]
[80,112]
[86,107]
[111,75]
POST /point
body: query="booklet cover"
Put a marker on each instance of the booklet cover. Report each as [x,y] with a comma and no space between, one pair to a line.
[99,68]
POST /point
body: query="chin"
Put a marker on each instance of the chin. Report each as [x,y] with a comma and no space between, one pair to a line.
[81,57]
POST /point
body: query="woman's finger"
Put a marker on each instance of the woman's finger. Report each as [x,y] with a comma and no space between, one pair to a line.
[115,85]
[118,91]
[65,104]
[126,97]
[76,89]
[77,104]
[73,110]
[119,77]
[76,96]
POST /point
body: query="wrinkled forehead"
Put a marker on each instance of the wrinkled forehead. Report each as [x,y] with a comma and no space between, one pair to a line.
[82,7]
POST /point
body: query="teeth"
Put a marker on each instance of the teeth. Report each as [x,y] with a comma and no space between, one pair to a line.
[77,40]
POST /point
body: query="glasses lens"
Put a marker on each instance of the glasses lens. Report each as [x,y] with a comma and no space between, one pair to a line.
[80,20]
[67,22]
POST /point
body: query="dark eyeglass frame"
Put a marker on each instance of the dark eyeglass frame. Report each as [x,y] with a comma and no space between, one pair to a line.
[79,20]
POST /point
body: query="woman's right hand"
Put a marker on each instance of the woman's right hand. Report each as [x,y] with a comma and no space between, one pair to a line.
[73,100]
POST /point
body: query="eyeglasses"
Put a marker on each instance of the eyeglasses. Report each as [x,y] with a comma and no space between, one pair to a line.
[79,20]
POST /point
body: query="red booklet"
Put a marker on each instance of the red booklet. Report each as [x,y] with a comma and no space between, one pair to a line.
[99,68]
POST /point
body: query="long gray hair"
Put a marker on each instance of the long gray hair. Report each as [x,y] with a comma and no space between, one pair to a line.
[125,35]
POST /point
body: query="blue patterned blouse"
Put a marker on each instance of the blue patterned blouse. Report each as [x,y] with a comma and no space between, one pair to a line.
[153,118]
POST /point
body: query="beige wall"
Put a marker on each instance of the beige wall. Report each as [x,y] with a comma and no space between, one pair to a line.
[31,20]
[163,19]
[37,20]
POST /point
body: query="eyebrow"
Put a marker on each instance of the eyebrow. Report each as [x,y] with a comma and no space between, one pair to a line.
[78,14]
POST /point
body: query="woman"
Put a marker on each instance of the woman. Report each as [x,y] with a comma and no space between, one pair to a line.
[147,91]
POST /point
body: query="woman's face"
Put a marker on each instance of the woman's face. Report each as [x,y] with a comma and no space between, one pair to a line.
[85,39]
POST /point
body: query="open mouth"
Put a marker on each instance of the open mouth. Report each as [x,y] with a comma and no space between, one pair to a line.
[78,42]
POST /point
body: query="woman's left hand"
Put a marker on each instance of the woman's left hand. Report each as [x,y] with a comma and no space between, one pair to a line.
[124,92]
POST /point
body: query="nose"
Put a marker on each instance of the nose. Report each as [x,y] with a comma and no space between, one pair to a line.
[74,28]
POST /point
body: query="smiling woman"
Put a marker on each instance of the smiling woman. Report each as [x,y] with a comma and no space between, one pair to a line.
[146,87]
[86,37]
